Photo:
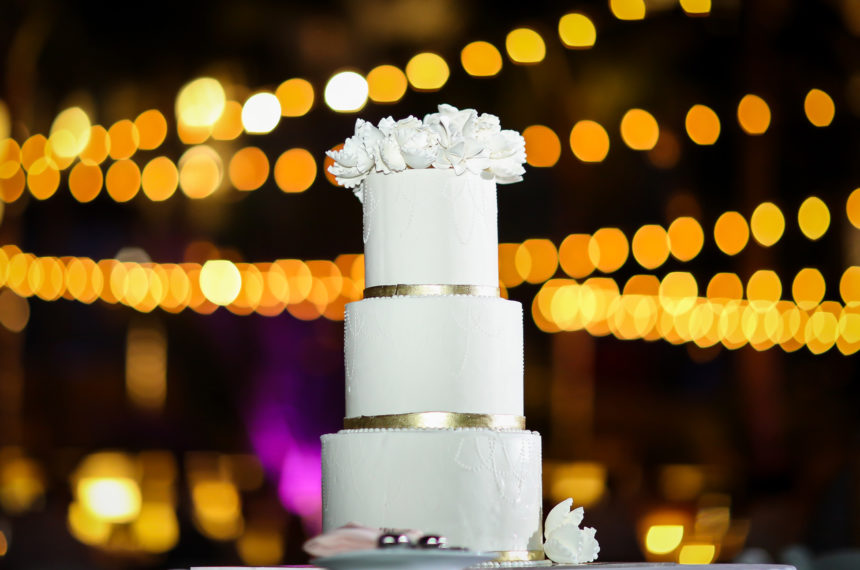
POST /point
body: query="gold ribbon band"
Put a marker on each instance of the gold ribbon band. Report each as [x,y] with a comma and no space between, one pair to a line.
[405,290]
[436,420]
[518,555]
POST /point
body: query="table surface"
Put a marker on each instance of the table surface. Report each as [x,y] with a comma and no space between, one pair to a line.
[595,565]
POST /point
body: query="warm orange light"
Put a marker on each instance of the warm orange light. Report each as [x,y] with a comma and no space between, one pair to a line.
[849,286]
[427,71]
[327,163]
[124,139]
[639,129]
[32,151]
[544,259]
[695,553]
[200,171]
[159,179]
[249,168]
[10,157]
[295,170]
[525,46]
[608,249]
[577,31]
[122,181]
[85,182]
[194,135]
[703,125]
[767,224]
[200,102]
[731,233]
[573,255]
[543,147]
[666,152]
[386,84]
[43,179]
[296,96]
[47,278]
[696,8]
[151,128]
[98,146]
[753,114]
[481,59]
[852,208]
[685,238]
[650,246]
[764,289]
[724,287]
[813,217]
[508,274]
[808,288]
[819,108]
[228,126]
[678,292]
[628,9]
[589,141]
[12,187]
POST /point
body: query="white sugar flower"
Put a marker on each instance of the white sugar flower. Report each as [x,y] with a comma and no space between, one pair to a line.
[507,152]
[565,541]
[351,163]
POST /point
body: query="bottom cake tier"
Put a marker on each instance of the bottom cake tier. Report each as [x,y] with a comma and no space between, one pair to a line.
[480,488]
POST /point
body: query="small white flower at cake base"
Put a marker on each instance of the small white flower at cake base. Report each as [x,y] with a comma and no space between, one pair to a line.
[565,541]
[450,139]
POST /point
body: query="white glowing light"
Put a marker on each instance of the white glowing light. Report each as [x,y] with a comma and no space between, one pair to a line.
[346,92]
[261,113]
[220,281]
[201,102]
[115,499]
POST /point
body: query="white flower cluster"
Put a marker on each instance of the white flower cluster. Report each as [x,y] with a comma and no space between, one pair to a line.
[565,541]
[451,138]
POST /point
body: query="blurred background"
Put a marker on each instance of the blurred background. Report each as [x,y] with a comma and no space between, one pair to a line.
[684,244]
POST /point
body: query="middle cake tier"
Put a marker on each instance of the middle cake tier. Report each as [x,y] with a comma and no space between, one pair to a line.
[459,354]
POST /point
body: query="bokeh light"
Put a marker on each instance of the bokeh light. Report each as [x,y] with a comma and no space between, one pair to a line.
[200,102]
[122,180]
[703,125]
[573,256]
[85,182]
[229,125]
[764,289]
[608,249]
[577,31]
[346,92]
[98,147]
[261,113]
[200,171]
[627,9]
[696,8]
[248,169]
[808,288]
[819,108]
[5,120]
[813,217]
[589,141]
[543,259]
[725,287]
[481,59]
[70,132]
[686,238]
[427,71]
[639,129]
[112,499]
[12,187]
[296,97]
[32,151]
[159,179]
[43,179]
[295,170]
[650,246]
[386,84]
[767,223]
[753,114]
[220,281]
[849,286]
[10,157]
[543,147]
[124,139]
[678,292]
[525,46]
[731,233]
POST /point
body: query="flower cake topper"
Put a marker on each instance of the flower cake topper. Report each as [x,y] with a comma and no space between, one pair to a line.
[451,138]
[566,542]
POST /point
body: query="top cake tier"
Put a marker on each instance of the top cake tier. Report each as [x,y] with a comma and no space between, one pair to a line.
[429,226]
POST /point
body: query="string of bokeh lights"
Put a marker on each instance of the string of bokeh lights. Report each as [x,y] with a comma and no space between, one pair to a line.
[320,288]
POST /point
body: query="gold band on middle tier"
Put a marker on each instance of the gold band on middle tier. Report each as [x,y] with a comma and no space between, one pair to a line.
[436,420]
[408,290]
[518,555]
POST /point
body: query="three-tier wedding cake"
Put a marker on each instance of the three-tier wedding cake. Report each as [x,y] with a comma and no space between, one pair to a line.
[434,437]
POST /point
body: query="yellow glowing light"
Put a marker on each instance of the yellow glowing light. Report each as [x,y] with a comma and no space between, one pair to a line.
[86,527]
[14,311]
[678,292]
[508,273]
[84,281]
[261,546]
[822,331]
[47,278]
[85,182]
[852,208]
[725,286]
[639,129]
[217,506]
[10,157]
[686,238]
[664,538]
[12,188]
[608,249]
[261,113]
[544,260]
[122,181]
[697,553]
[731,233]
[696,8]
[819,108]
[152,129]
[98,147]
[249,168]
[680,482]
[589,141]
[295,170]
[753,114]
[386,84]
[650,246]
[525,46]
[70,132]
[808,288]
[229,125]
[703,125]
[114,499]
[628,9]
[33,152]
[764,289]
[200,171]
[159,179]
[543,148]
[196,135]
[220,281]
[296,97]
[573,255]
[43,179]
[156,529]
[767,224]
[346,92]
[813,217]
[584,479]
[566,304]
[577,31]
[427,71]
[481,59]
[200,102]
[124,139]
[849,286]
[146,366]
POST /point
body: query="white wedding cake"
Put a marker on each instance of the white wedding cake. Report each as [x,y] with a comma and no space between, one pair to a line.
[434,436]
